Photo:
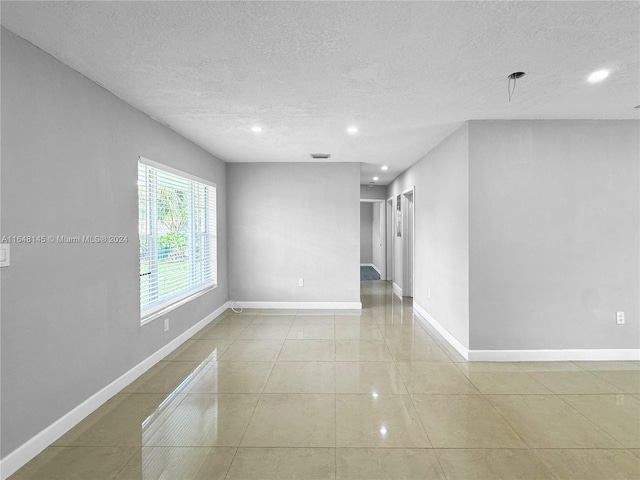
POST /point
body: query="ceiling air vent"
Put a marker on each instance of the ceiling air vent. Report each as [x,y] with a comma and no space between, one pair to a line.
[320,156]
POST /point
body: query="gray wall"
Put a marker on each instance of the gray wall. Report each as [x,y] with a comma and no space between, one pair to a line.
[70,313]
[378,192]
[554,234]
[366,232]
[290,221]
[527,234]
[441,205]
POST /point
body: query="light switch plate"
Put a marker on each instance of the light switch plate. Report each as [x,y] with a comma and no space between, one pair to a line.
[5,257]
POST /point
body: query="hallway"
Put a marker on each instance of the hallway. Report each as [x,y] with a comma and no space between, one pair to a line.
[332,394]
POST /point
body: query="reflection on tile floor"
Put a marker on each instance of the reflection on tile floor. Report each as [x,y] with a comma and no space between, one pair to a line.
[337,395]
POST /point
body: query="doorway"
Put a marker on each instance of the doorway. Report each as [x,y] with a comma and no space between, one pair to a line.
[373,240]
[408,243]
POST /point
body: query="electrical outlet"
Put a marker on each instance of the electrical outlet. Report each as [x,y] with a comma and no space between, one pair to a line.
[428,293]
[619,400]
[166,324]
[301,282]
[619,318]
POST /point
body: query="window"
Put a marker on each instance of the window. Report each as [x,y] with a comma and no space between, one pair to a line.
[177,230]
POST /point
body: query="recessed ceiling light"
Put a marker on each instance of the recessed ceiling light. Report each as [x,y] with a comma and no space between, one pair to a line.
[352,130]
[598,76]
[384,168]
[375,179]
[256,129]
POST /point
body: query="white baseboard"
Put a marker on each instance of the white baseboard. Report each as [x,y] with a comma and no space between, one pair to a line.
[21,455]
[554,355]
[453,341]
[396,289]
[301,305]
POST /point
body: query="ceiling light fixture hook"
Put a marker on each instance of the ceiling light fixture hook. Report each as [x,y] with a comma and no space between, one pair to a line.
[513,76]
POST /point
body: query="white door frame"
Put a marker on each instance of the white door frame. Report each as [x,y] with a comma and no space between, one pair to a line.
[389,235]
[408,243]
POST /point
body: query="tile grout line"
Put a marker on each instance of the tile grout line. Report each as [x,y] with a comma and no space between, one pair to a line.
[435,453]
[528,447]
[551,393]
[480,393]
[126,463]
[335,406]
[592,422]
[230,463]
[254,410]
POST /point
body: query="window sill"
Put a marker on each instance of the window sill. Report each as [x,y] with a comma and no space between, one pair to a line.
[178,303]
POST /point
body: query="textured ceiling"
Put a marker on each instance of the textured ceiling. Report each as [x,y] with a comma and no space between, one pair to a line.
[407,74]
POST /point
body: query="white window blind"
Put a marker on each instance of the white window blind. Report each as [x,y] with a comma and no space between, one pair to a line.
[177,230]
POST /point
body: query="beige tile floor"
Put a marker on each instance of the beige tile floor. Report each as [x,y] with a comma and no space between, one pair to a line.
[336,395]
